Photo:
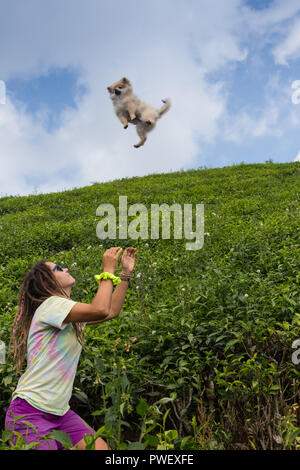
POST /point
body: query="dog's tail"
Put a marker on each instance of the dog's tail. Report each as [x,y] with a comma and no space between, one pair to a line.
[165,107]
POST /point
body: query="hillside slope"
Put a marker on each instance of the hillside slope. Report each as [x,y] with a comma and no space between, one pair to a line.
[214,327]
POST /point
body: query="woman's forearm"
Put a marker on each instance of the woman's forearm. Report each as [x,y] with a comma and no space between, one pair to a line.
[118,298]
[117,302]
[103,298]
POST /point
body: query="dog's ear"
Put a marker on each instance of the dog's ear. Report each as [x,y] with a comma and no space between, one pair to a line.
[109,89]
[125,80]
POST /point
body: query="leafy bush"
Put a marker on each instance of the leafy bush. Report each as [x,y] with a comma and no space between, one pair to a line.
[200,356]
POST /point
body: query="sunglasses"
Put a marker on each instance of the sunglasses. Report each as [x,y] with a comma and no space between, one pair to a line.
[57,267]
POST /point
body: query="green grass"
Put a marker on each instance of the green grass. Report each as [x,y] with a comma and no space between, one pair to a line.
[212,367]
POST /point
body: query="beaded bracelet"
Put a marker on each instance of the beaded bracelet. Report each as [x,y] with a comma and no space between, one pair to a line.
[115,279]
[125,278]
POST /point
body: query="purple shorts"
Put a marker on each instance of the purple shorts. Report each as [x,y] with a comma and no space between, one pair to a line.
[45,423]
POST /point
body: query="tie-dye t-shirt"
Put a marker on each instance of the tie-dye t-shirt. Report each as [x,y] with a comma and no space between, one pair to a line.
[52,357]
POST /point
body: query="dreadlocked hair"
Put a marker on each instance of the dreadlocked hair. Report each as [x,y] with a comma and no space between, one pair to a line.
[38,285]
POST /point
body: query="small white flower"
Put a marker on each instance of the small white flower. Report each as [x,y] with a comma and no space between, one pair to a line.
[137,287]
[183,288]
[153,332]
[89,247]
[154,264]
[258,270]
[213,213]
[74,264]
[62,262]
[146,244]
[175,259]
[73,247]
[261,223]
[246,295]
[100,246]
[207,234]
[139,275]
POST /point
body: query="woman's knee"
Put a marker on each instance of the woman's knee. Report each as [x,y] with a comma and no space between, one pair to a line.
[100,444]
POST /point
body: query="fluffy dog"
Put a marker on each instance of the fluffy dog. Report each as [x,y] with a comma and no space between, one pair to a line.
[130,109]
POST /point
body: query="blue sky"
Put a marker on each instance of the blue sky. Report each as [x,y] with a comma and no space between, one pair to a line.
[52,93]
[259,4]
[226,65]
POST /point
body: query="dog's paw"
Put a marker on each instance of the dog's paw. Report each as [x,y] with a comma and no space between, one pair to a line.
[125,127]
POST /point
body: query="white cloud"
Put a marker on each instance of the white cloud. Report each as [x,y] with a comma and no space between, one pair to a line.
[245,127]
[279,23]
[279,19]
[264,20]
[290,48]
[297,158]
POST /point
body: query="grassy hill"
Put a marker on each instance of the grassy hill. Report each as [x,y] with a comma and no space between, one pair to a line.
[212,365]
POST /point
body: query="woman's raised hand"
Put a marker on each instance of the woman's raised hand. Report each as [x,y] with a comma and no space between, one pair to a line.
[110,259]
[128,260]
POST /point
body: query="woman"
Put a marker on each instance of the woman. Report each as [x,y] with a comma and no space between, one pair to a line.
[48,327]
